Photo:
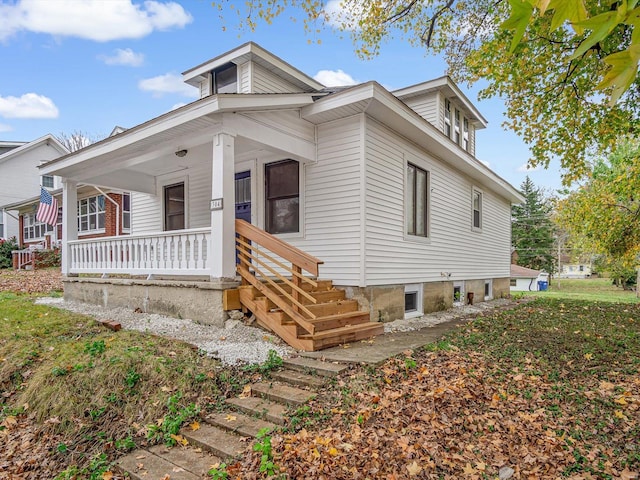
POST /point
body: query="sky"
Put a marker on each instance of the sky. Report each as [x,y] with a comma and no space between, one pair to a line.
[89,65]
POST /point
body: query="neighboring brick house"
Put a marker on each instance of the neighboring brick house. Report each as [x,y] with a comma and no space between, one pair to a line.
[97,217]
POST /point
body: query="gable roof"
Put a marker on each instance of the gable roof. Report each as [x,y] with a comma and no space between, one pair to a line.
[254,52]
[523,272]
[47,139]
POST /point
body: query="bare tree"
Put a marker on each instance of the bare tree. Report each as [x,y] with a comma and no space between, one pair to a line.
[77,140]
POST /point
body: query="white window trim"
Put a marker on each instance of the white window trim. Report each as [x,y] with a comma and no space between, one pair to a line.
[420,163]
[35,224]
[460,302]
[419,291]
[262,204]
[490,296]
[122,210]
[168,180]
[475,190]
[95,231]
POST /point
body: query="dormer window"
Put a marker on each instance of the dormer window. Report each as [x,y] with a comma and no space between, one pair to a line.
[447,118]
[47,181]
[225,79]
[465,134]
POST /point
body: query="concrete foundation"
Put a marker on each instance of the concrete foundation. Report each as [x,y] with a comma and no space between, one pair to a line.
[198,301]
[386,303]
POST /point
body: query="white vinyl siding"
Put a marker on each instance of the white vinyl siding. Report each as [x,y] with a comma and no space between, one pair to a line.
[427,106]
[244,74]
[147,213]
[265,81]
[205,88]
[390,257]
[332,209]
[287,121]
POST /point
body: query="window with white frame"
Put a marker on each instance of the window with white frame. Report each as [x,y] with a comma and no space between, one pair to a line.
[91,214]
[47,181]
[126,212]
[417,201]
[282,197]
[488,289]
[413,300]
[477,209]
[447,118]
[33,229]
[465,134]
[458,293]
[225,79]
[456,129]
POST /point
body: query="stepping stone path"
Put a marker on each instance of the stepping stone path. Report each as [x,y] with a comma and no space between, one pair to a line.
[223,436]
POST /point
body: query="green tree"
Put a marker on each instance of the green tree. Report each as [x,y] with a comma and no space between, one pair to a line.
[532,230]
[555,63]
[604,212]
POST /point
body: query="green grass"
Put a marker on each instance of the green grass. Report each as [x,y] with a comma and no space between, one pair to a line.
[591,289]
[101,387]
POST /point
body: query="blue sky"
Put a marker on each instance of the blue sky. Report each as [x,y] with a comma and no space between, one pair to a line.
[89,66]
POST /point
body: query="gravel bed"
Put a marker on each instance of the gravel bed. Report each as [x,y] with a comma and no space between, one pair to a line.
[236,343]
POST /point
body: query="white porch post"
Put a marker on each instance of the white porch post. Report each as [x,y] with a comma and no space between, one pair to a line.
[223,231]
[69,220]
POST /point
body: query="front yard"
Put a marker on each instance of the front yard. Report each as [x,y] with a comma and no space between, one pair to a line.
[550,389]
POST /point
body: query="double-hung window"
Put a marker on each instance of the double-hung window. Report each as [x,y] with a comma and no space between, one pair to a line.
[126,212]
[282,197]
[447,118]
[33,229]
[477,209]
[47,181]
[417,201]
[91,214]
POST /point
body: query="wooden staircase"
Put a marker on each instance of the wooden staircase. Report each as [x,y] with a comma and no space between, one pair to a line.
[307,313]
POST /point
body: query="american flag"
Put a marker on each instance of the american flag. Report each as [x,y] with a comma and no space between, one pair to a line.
[48,208]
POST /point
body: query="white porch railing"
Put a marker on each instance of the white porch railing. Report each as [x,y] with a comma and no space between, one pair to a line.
[178,252]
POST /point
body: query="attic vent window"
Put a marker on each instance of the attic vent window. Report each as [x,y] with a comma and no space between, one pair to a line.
[225,79]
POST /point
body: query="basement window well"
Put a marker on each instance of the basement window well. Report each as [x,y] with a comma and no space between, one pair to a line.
[412,301]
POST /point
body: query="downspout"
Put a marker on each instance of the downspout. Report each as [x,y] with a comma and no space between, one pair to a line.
[117,209]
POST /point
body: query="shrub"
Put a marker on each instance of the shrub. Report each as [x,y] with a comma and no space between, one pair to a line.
[47,258]
[6,247]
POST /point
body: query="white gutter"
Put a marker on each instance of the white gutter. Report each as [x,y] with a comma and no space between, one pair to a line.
[117,210]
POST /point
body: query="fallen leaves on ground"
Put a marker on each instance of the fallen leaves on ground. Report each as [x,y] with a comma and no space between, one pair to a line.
[31,281]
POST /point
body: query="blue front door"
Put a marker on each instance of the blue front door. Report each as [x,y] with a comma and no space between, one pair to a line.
[243,195]
[243,198]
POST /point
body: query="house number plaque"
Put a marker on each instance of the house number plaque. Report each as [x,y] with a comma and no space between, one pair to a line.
[216,204]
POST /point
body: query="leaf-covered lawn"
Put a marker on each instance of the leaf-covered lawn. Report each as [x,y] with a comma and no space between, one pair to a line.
[31,281]
[550,390]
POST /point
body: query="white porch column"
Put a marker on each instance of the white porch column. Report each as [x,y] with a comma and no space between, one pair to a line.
[69,220]
[223,230]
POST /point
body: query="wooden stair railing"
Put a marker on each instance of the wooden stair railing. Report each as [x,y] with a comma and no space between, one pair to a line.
[257,250]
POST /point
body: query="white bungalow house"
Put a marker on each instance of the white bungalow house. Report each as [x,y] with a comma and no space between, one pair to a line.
[374,194]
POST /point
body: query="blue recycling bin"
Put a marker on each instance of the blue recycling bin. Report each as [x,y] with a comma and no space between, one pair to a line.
[542,285]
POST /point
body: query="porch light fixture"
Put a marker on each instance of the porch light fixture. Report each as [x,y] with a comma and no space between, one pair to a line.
[181,153]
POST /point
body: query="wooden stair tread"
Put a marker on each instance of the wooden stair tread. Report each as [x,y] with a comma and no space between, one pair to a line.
[344,330]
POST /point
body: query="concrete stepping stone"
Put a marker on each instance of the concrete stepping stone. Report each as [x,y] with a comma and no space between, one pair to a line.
[215,440]
[192,460]
[304,364]
[239,423]
[271,411]
[282,393]
[294,377]
[144,465]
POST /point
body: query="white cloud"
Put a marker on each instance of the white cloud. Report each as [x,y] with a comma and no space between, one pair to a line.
[97,20]
[123,57]
[167,83]
[526,168]
[29,105]
[5,128]
[337,16]
[334,78]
